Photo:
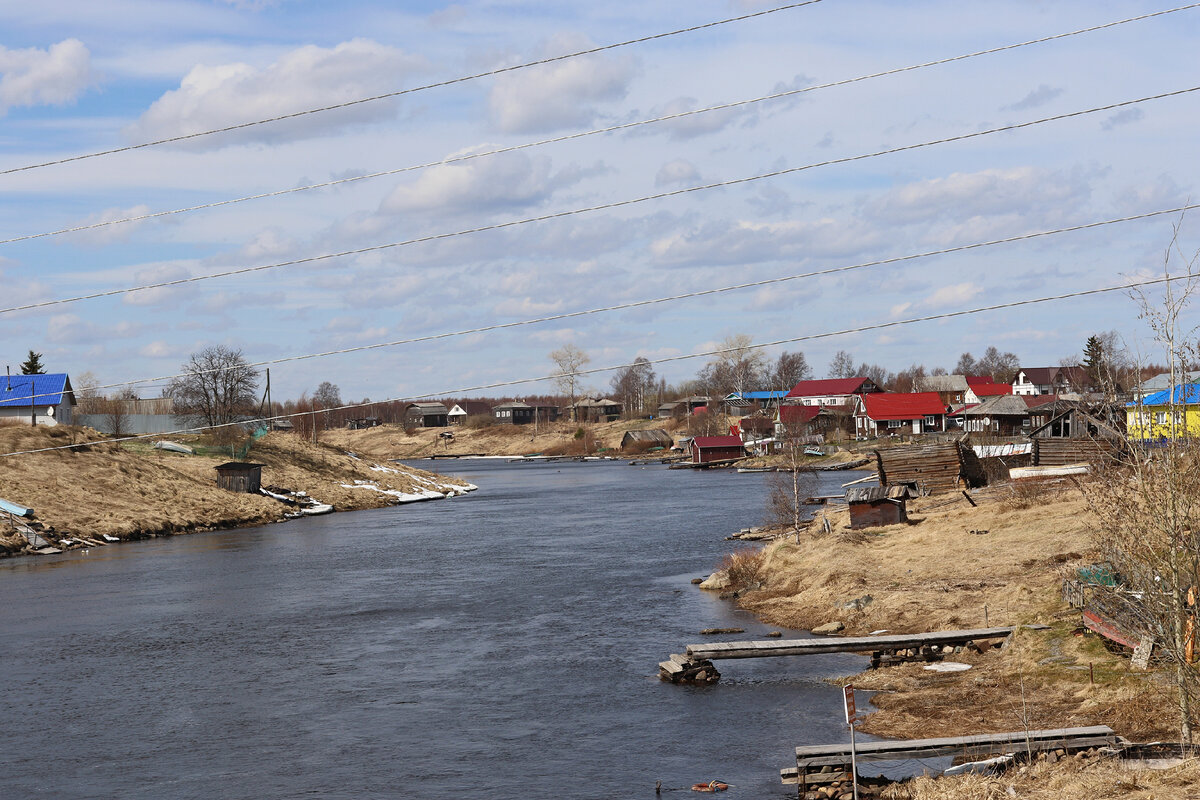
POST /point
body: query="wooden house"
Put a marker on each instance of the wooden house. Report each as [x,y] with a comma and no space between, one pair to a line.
[467,408]
[1075,437]
[888,414]
[682,407]
[1157,415]
[839,392]
[595,409]
[1051,380]
[426,415]
[239,476]
[37,399]
[708,449]
[518,413]
[1001,415]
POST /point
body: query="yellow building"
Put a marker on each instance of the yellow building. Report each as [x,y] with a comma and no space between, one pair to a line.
[1151,418]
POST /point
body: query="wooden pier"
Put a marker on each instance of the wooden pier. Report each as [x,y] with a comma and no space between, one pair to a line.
[818,765]
[884,650]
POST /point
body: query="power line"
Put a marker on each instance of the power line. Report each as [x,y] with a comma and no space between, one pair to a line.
[401,92]
[584,134]
[590,209]
[792,340]
[667,299]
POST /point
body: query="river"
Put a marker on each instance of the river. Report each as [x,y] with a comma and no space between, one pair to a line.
[500,645]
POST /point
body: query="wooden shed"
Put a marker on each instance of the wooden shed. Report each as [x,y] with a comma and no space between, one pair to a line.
[943,467]
[239,476]
[654,437]
[874,506]
[1075,437]
[709,449]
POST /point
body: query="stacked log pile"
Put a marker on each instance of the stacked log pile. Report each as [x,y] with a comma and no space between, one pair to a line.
[681,668]
[932,467]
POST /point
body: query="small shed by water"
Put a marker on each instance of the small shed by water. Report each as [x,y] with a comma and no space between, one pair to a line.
[654,437]
[707,449]
[873,506]
[239,476]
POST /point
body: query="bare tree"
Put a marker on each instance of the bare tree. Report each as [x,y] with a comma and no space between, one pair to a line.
[117,409]
[218,386]
[788,488]
[568,361]
[842,365]
[1000,367]
[966,365]
[87,393]
[634,385]
[737,366]
[788,370]
[1150,512]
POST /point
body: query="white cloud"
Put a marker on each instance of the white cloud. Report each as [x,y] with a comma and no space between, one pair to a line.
[308,77]
[562,94]
[110,234]
[160,349]
[162,294]
[954,295]
[677,171]
[33,77]
[507,180]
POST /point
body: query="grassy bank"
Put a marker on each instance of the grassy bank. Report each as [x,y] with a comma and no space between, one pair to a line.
[961,566]
[130,490]
[556,438]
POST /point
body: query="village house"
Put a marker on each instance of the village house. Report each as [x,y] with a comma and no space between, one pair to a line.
[1001,415]
[647,439]
[980,389]
[425,415]
[741,403]
[888,414]
[1158,414]
[682,407]
[518,413]
[595,409]
[1161,382]
[951,388]
[1051,380]
[830,392]
[38,399]
[467,408]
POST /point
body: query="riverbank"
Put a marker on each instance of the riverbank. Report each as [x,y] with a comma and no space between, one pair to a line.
[954,566]
[132,491]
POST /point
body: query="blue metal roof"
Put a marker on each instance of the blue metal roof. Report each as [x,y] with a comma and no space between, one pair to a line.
[1186,393]
[772,395]
[17,390]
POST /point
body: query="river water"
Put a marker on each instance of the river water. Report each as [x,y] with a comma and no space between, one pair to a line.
[500,645]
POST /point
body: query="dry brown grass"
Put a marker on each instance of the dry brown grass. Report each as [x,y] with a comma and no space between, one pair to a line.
[934,574]
[1071,779]
[136,491]
[387,441]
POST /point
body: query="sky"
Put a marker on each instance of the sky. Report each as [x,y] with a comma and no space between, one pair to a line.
[567,222]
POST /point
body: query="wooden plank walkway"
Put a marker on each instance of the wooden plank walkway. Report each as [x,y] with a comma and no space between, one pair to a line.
[840,644]
[837,756]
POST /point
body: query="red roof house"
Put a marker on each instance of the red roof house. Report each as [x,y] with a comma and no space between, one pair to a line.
[889,414]
[830,391]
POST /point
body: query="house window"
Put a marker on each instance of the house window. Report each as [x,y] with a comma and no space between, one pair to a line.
[895,423]
[931,420]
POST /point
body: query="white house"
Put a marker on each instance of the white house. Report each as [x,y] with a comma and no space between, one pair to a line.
[37,399]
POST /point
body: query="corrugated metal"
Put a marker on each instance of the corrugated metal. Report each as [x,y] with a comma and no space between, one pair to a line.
[16,390]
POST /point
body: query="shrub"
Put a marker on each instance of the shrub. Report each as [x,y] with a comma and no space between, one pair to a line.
[745,568]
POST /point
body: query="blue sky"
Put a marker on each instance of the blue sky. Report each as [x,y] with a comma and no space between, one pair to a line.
[78,77]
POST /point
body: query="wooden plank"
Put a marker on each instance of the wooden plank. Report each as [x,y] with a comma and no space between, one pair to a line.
[839,644]
[670,667]
[681,659]
[972,751]
[886,750]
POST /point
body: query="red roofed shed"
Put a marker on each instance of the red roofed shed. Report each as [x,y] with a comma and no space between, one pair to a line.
[707,449]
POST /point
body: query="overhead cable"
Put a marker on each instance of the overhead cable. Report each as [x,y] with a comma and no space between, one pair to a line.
[580,135]
[590,209]
[401,92]
[667,299]
[462,390]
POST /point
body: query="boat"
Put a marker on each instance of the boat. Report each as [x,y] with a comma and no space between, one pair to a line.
[757,469]
[315,509]
[1018,473]
[174,447]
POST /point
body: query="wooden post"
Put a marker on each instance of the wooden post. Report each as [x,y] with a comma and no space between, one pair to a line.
[32,403]
[851,712]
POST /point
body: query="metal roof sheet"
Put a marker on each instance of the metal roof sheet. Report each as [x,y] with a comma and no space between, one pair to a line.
[19,390]
[889,405]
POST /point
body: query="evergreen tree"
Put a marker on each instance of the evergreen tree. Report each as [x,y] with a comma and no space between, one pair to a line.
[33,365]
[1095,360]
